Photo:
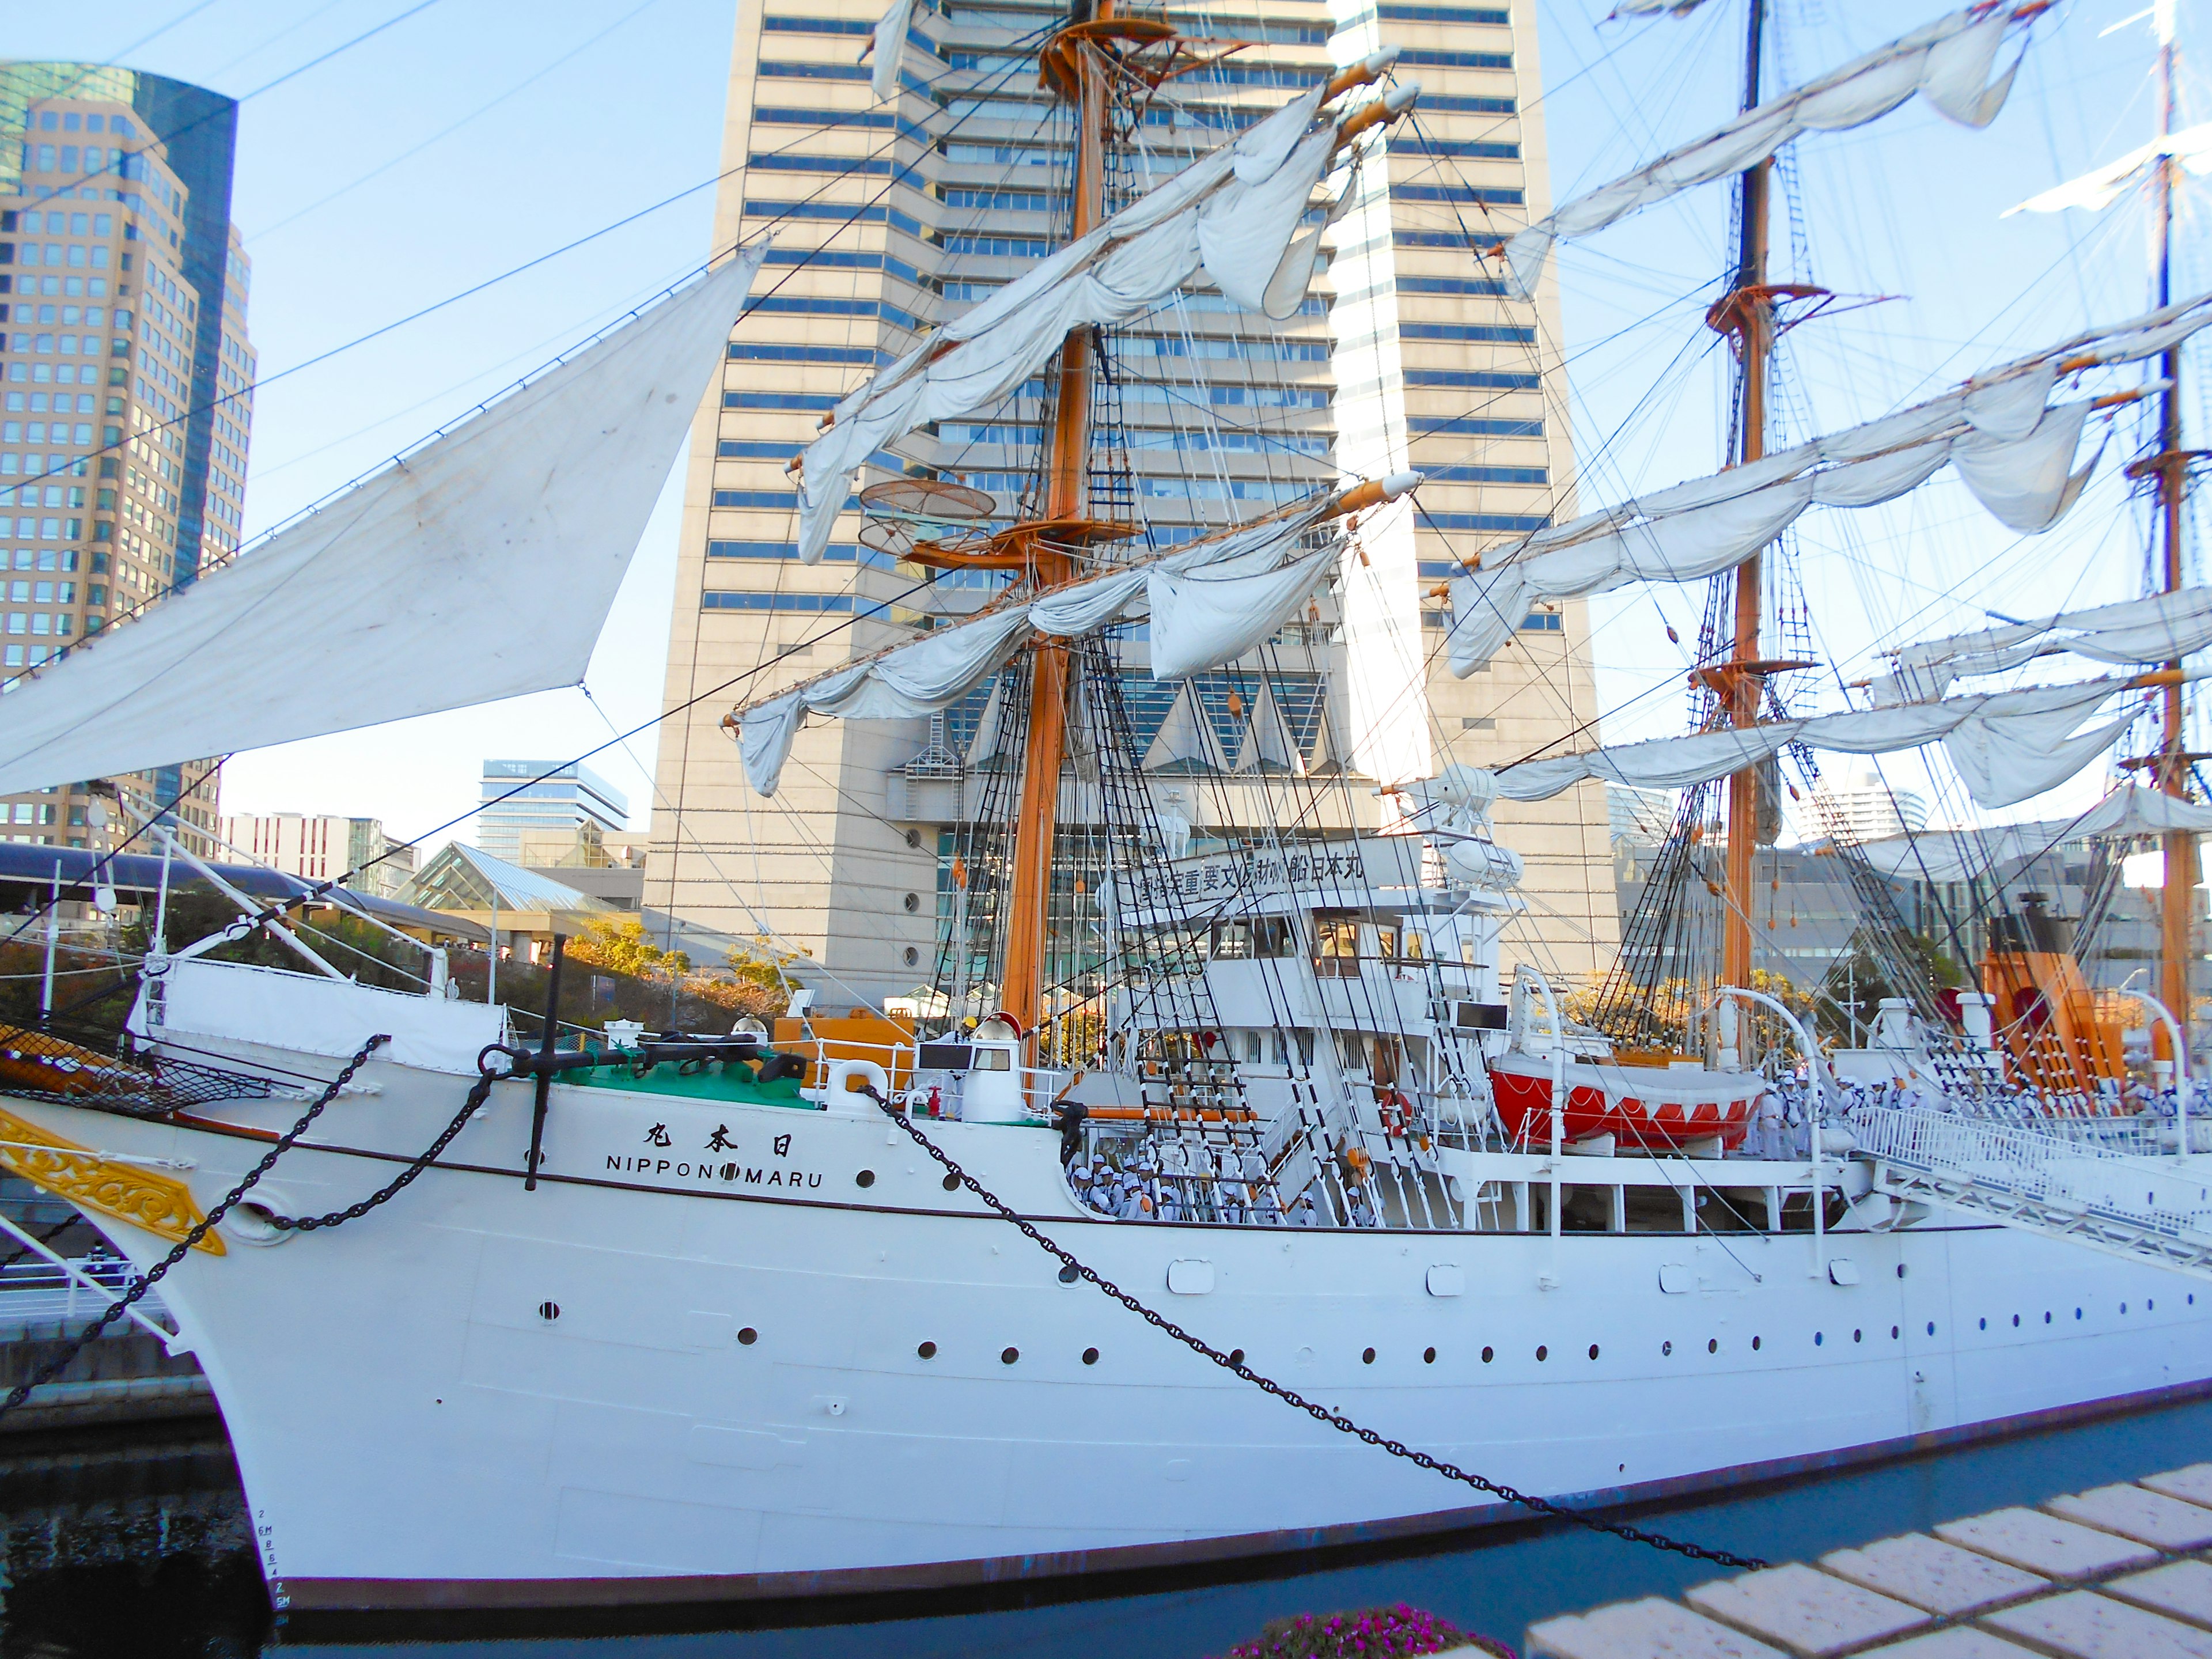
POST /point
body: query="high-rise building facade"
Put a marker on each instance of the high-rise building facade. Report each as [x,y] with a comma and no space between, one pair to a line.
[1859,806]
[545,802]
[322,847]
[890,217]
[125,385]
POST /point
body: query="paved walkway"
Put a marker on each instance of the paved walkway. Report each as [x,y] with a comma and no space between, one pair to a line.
[2121,1572]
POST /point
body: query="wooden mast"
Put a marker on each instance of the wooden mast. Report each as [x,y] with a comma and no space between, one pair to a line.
[1747,312]
[2177,913]
[1067,491]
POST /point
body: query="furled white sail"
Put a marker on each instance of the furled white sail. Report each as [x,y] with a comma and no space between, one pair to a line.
[2102,186]
[1210,603]
[2005,745]
[480,566]
[2127,813]
[1232,213]
[2164,628]
[2012,448]
[1653,8]
[1948,62]
[889,45]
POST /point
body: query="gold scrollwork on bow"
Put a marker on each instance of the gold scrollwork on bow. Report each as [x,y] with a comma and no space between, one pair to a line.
[160,1203]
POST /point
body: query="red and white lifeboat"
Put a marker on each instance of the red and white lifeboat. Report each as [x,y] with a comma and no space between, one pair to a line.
[1637,1105]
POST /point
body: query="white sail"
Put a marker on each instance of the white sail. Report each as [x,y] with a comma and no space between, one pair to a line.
[889,45]
[1210,603]
[1942,855]
[2164,628]
[2012,448]
[1653,8]
[480,566]
[2005,745]
[1232,213]
[2101,186]
[1948,63]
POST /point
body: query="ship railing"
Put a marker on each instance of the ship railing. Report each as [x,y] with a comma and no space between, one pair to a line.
[47,1285]
[2056,1169]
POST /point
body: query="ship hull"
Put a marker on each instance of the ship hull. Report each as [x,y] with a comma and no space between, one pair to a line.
[690,1366]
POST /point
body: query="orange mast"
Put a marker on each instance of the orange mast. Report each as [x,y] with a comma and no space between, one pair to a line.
[1066,495]
[1748,313]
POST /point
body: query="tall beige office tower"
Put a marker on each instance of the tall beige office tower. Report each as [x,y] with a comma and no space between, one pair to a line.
[891,217]
[125,400]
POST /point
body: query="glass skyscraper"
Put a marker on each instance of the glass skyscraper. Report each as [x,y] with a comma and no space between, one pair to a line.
[125,384]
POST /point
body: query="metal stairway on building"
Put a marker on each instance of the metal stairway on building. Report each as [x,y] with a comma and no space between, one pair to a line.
[2096,1182]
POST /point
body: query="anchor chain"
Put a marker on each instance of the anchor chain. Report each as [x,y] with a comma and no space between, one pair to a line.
[153,1275]
[1321,1413]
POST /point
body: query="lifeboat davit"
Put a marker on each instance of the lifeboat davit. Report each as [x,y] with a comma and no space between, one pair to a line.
[1637,1105]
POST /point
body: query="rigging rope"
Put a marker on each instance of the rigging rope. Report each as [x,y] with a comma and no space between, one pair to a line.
[1320,1414]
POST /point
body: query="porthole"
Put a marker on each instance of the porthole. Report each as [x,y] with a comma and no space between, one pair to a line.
[1007,1355]
[1900,1270]
[1428,1356]
[1985,1324]
[1235,1355]
[1712,1344]
[926,1350]
[2150,1306]
[549,1312]
[1893,1333]
[2015,1321]
[748,1336]
[1487,1355]
[952,1183]
[1754,1348]
[1818,1339]
[1593,1349]
[1367,1357]
[1666,1347]
[2078,1313]
[2123,1307]
[912,901]
[1541,1351]
[2046,1316]
[912,957]
[1931,1327]
[1068,1275]
[1858,1336]
[1090,1356]
[866,1178]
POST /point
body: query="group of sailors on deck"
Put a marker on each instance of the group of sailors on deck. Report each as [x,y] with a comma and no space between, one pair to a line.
[1204,1184]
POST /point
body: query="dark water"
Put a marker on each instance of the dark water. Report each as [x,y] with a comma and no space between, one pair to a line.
[208,1608]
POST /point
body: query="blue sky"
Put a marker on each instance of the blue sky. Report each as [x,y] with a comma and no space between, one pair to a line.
[477,134]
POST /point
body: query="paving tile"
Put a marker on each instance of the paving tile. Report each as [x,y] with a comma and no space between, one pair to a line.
[2193,1483]
[1650,1629]
[2182,1589]
[1959,1642]
[2148,1518]
[2044,1543]
[2083,1624]
[1932,1574]
[1806,1611]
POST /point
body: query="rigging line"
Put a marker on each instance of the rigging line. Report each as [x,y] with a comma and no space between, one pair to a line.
[444,132]
[121,53]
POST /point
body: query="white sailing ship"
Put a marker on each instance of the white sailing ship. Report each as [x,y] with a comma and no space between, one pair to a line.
[703,1319]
